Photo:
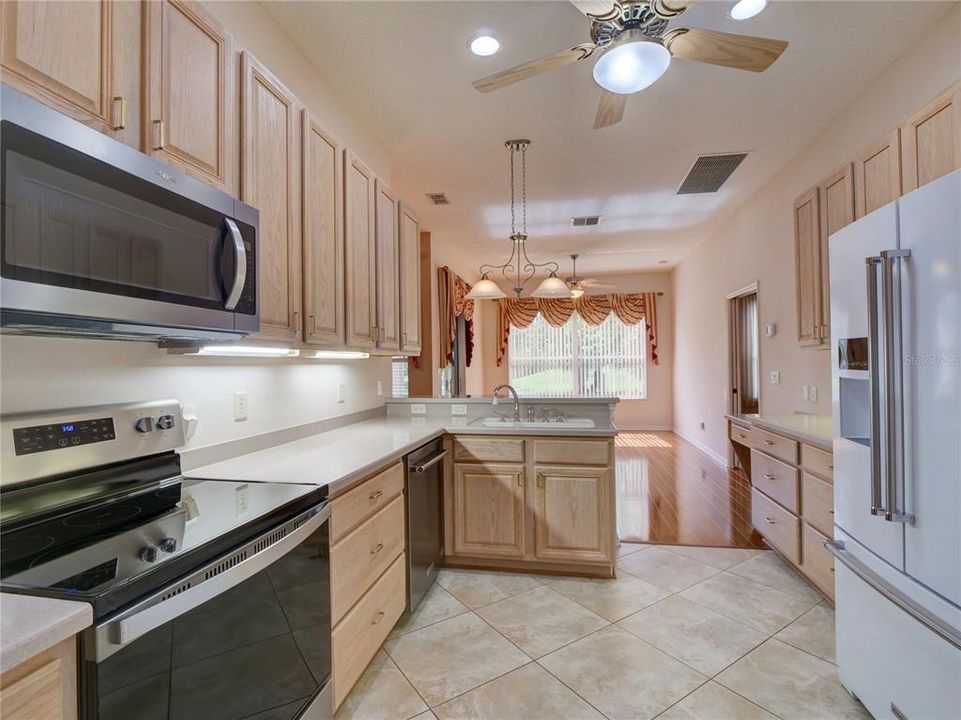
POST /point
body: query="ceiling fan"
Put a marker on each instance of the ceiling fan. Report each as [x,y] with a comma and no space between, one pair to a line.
[579,285]
[636,47]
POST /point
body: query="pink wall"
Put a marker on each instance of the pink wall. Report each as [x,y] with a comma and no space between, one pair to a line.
[756,244]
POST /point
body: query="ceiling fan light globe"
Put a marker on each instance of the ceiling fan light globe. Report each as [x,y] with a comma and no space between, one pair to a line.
[485,289]
[631,66]
[746,9]
[552,287]
[484,45]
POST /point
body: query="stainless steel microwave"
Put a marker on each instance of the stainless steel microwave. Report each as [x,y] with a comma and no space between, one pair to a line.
[101,240]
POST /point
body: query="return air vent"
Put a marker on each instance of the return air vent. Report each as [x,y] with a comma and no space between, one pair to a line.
[438,198]
[709,173]
[586,221]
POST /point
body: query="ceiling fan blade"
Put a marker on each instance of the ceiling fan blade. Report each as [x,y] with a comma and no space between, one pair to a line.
[742,52]
[532,68]
[667,9]
[599,9]
[610,109]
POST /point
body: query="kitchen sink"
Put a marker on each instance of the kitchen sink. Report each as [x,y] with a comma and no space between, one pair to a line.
[567,423]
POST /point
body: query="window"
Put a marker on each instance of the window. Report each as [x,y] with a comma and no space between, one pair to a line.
[579,360]
[400,377]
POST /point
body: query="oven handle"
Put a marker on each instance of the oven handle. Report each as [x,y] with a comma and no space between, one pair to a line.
[136,623]
[240,264]
[433,461]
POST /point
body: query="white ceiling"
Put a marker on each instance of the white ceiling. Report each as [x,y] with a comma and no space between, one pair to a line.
[405,68]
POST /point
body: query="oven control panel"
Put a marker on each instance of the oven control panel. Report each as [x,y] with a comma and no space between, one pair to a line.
[39,438]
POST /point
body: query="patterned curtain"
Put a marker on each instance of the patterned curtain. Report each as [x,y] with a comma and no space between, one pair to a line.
[593,309]
[452,290]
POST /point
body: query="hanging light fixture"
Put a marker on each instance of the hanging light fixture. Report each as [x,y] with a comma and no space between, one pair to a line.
[519,268]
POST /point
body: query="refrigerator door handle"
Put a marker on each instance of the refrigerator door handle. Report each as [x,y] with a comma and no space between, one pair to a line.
[894,385]
[871,268]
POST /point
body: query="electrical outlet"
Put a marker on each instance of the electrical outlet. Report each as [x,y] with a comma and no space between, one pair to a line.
[380,388]
[813,394]
[341,392]
[458,409]
[242,500]
[804,392]
[418,409]
[775,377]
[240,406]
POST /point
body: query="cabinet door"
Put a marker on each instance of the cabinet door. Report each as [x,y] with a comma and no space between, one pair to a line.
[45,686]
[836,200]
[388,270]
[409,234]
[489,510]
[807,242]
[268,183]
[323,236]
[931,140]
[877,174]
[359,201]
[572,514]
[60,53]
[188,97]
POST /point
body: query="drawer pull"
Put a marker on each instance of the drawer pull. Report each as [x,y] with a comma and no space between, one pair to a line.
[770,521]
[769,476]
[378,617]
[768,442]
[831,511]
[377,548]
[376,495]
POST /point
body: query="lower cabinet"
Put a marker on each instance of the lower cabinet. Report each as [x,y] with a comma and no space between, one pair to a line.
[45,686]
[573,505]
[489,510]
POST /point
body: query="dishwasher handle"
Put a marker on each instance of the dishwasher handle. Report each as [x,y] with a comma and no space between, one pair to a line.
[424,467]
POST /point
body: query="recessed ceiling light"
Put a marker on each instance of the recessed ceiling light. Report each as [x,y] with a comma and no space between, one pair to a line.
[745,9]
[484,45]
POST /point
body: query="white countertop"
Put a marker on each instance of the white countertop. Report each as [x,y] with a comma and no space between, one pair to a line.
[29,625]
[815,429]
[339,458]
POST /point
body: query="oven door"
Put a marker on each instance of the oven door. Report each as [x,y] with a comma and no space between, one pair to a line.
[93,230]
[246,636]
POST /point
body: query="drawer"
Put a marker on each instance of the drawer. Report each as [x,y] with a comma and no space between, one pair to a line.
[818,561]
[739,434]
[488,449]
[359,559]
[817,503]
[572,452]
[780,447]
[777,480]
[358,637]
[777,525]
[353,507]
[817,461]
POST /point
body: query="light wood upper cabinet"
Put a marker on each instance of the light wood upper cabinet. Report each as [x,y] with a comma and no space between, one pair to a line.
[488,508]
[572,514]
[836,201]
[270,183]
[82,58]
[931,140]
[388,269]
[323,236]
[877,174]
[807,240]
[409,237]
[189,98]
[359,223]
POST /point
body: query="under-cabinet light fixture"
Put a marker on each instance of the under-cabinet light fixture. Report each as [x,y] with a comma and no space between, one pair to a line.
[337,355]
[254,351]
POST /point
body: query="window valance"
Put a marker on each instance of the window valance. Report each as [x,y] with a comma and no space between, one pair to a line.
[630,309]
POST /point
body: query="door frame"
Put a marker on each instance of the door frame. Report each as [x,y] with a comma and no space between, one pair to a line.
[732,365]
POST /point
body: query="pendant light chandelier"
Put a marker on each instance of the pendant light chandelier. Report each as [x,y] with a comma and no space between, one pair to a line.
[519,268]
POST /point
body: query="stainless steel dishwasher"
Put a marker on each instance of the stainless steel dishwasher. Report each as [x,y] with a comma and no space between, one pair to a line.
[425,519]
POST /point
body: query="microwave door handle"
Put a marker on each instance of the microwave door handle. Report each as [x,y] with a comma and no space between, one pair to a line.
[240,264]
[874,375]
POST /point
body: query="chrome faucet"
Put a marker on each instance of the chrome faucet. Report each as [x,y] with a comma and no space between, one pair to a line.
[517,403]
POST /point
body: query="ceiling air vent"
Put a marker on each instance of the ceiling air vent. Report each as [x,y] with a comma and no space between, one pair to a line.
[710,172]
[586,221]
[438,198]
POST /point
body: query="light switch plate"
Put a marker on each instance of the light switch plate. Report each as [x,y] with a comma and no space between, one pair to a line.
[380,388]
[775,377]
[341,392]
[459,409]
[418,409]
[813,394]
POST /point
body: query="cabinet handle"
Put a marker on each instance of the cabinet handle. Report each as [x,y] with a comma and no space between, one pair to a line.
[313,324]
[520,480]
[769,476]
[161,127]
[296,325]
[375,495]
[831,511]
[378,617]
[377,548]
[769,521]
[119,113]
[540,480]
[830,467]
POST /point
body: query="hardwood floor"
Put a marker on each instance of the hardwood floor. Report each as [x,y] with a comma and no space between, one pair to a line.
[670,492]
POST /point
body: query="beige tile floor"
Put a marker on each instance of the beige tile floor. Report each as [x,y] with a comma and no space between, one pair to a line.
[682,634]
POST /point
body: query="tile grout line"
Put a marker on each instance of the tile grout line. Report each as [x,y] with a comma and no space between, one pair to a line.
[401,671]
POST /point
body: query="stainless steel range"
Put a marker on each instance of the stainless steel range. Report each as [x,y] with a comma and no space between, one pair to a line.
[211,599]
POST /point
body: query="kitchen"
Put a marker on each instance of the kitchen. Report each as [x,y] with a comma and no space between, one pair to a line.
[545,509]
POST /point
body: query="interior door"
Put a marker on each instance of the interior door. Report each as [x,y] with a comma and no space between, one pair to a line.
[930,228]
[851,388]
[489,510]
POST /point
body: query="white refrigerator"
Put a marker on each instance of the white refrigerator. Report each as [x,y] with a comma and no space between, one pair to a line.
[896,389]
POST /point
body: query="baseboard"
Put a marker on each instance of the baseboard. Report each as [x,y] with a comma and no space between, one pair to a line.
[644,428]
[722,461]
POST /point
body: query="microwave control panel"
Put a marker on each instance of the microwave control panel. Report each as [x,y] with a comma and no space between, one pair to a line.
[40,438]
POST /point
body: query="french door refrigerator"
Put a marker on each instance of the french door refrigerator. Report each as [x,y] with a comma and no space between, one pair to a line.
[896,389]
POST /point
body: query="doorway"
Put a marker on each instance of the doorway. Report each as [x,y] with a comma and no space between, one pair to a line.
[744,339]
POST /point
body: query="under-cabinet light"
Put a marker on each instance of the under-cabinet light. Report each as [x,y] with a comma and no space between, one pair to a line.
[245,351]
[337,355]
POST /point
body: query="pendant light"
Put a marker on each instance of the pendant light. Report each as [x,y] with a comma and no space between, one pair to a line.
[519,268]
